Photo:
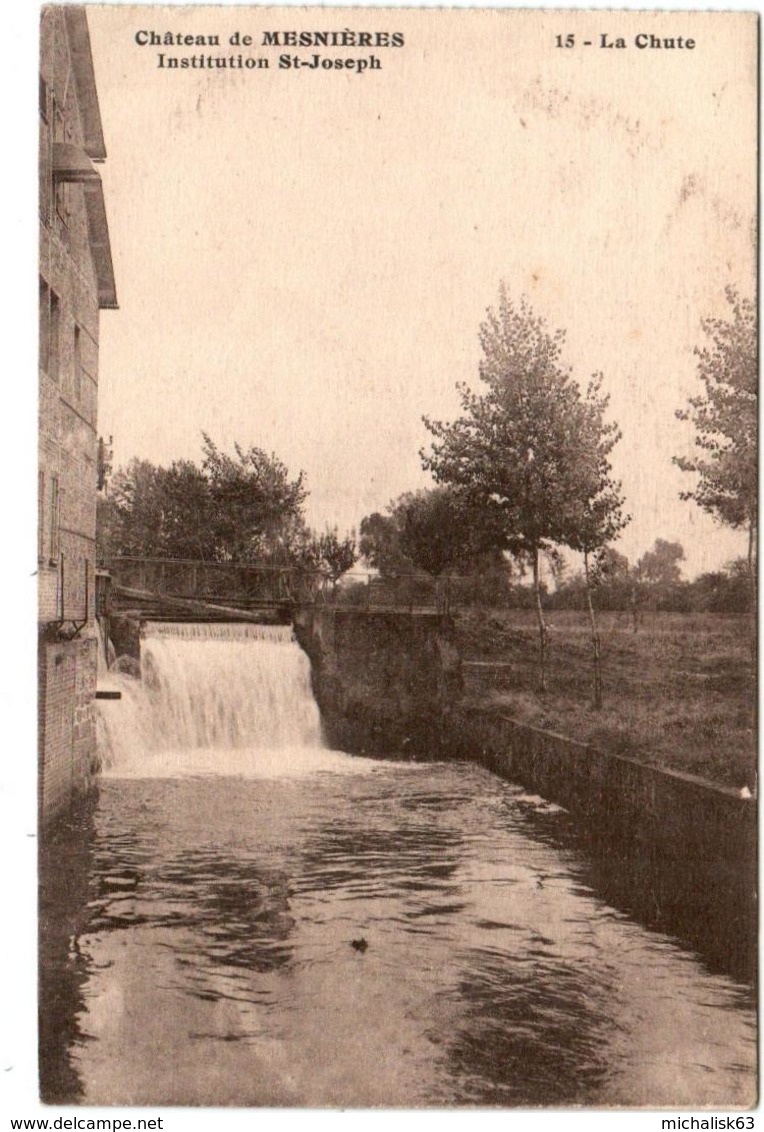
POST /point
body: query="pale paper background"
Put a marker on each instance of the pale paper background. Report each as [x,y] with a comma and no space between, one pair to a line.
[304,264]
[303,258]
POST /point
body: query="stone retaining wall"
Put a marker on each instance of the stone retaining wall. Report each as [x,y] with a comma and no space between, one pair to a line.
[383,680]
[678,851]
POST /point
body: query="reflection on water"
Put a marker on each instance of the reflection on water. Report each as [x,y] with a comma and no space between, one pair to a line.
[210,960]
[63,970]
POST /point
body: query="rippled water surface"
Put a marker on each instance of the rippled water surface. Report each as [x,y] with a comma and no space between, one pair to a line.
[210,960]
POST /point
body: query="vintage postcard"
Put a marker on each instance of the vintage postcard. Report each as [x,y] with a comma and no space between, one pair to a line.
[397,559]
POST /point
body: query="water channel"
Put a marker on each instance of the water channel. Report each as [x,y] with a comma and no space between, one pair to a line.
[245,918]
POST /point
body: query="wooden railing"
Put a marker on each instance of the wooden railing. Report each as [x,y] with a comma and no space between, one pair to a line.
[248,585]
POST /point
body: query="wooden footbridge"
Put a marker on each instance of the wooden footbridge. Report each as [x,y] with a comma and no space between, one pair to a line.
[185,589]
[178,589]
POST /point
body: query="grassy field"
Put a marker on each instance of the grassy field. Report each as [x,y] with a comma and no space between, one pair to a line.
[679,693]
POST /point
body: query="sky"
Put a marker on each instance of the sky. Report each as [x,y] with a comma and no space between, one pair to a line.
[303,259]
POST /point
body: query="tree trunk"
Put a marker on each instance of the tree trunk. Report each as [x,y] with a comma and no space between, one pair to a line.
[541,621]
[595,638]
[633,600]
[752,582]
[446,596]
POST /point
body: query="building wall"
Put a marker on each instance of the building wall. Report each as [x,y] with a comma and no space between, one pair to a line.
[68,370]
[68,398]
[67,722]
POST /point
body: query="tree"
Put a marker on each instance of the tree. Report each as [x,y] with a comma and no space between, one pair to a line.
[243,508]
[380,543]
[660,566]
[335,555]
[136,509]
[436,531]
[725,417]
[723,591]
[594,515]
[156,512]
[657,574]
[612,568]
[187,530]
[256,508]
[532,449]
[442,532]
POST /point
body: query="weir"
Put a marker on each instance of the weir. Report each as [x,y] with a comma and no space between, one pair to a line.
[210,697]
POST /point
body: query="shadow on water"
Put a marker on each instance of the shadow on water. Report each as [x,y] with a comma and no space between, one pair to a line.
[553,1048]
[232,913]
[696,901]
[64,868]
[235,908]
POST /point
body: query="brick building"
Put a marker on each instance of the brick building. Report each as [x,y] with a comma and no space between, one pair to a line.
[76,283]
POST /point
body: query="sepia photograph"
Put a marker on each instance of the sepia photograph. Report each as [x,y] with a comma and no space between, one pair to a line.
[397,559]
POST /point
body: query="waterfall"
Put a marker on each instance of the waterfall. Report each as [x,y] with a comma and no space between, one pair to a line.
[105,655]
[212,698]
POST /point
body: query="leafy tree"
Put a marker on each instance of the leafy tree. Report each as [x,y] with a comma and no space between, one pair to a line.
[243,508]
[156,512]
[255,506]
[187,512]
[441,532]
[725,417]
[532,449]
[335,555]
[610,577]
[594,514]
[437,531]
[660,566]
[135,498]
[380,543]
[656,574]
[615,582]
[612,567]
[722,591]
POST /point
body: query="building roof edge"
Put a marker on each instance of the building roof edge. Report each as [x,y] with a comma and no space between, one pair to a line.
[78,35]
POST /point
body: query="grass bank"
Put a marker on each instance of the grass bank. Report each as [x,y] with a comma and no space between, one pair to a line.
[678,693]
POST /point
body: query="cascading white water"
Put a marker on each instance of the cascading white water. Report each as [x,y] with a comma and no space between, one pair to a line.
[232,698]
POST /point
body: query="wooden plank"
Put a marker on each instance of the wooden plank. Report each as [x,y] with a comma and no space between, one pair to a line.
[193,604]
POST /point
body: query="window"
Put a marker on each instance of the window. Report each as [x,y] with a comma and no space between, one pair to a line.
[77,364]
[46,154]
[43,100]
[88,596]
[55,335]
[40,516]
[44,361]
[50,330]
[54,193]
[54,520]
[61,188]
